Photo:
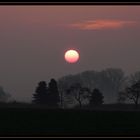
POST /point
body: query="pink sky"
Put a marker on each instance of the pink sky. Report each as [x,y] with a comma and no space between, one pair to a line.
[33,40]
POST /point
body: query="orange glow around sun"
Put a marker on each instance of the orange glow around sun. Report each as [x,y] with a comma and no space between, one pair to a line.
[71,56]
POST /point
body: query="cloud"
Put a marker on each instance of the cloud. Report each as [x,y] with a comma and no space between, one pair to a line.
[102,24]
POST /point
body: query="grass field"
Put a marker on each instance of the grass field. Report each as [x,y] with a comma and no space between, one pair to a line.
[44,122]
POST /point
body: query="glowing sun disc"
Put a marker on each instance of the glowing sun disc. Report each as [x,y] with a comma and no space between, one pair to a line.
[71,56]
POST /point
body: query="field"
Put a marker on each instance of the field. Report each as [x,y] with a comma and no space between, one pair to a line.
[24,121]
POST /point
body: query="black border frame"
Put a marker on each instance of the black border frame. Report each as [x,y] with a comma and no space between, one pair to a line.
[57,3]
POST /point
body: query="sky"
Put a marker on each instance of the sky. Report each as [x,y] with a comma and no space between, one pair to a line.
[33,40]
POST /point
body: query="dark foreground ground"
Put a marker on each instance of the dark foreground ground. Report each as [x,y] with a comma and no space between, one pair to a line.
[44,122]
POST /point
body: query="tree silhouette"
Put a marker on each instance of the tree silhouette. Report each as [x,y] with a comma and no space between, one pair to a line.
[133,93]
[54,98]
[62,90]
[80,93]
[110,81]
[134,77]
[121,97]
[40,97]
[96,98]
[3,95]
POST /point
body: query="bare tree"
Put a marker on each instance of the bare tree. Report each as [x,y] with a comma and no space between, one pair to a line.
[79,93]
[133,78]
[133,93]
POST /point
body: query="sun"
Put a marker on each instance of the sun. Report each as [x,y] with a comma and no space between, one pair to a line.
[71,56]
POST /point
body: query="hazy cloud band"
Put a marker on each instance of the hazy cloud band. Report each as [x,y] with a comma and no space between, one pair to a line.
[102,24]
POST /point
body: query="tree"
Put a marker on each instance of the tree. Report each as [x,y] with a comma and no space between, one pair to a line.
[121,97]
[96,98]
[133,78]
[3,95]
[62,90]
[54,98]
[110,81]
[133,92]
[40,96]
[79,93]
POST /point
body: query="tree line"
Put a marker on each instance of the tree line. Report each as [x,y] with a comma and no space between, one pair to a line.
[88,88]
[49,96]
